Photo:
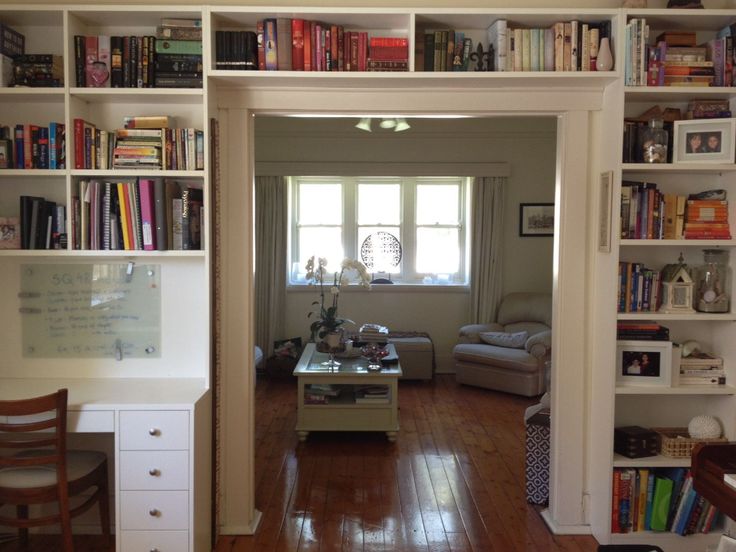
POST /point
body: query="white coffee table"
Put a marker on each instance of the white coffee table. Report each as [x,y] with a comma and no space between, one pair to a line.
[342,412]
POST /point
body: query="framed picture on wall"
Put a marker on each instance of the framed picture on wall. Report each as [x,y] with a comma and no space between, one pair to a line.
[536,219]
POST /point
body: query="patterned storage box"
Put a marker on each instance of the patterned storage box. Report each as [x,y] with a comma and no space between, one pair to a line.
[537,458]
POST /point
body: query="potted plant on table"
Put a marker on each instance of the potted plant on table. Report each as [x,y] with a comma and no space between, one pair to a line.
[327,324]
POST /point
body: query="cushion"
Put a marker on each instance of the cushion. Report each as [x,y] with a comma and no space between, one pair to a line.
[78,464]
[497,357]
[503,339]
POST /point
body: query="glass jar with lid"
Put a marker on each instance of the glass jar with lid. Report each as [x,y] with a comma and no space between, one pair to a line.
[654,141]
[713,282]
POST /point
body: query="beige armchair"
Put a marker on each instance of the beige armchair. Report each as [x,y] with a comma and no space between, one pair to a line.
[510,355]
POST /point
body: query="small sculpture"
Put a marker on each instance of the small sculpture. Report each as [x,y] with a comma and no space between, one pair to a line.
[704,427]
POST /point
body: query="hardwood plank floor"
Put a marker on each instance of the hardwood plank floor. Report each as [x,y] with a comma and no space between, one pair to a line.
[453,481]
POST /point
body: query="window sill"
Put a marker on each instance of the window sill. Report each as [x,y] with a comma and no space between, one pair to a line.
[388,288]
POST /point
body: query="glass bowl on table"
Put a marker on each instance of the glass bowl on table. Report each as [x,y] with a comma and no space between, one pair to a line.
[374,352]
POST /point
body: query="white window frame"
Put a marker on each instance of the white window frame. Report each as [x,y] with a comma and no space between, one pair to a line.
[406,274]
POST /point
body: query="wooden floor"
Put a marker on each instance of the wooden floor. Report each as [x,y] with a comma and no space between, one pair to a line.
[453,481]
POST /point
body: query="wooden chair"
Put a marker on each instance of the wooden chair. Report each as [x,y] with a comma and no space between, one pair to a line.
[41,470]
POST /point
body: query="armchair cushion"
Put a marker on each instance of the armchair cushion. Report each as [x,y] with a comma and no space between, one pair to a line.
[471,332]
[504,339]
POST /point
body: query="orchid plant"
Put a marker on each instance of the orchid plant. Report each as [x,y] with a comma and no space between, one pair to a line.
[326,320]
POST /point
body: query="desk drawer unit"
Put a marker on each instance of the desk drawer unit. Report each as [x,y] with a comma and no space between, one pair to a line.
[154,510]
[155,541]
[154,430]
[156,470]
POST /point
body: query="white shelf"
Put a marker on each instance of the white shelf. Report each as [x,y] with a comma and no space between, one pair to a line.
[23,94]
[668,541]
[77,253]
[658,461]
[678,243]
[679,168]
[677,93]
[677,390]
[728,316]
[703,20]
[137,95]
[381,79]
[137,172]
[32,172]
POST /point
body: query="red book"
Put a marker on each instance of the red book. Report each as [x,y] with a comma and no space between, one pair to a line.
[340,48]
[90,58]
[362,50]
[145,187]
[319,40]
[261,51]
[354,41]
[78,143]
[334,48]
[307,46]
[297,45]
[616,497]
[313,39]
[27,147]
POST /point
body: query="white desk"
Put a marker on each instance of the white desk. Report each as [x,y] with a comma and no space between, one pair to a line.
[162,461]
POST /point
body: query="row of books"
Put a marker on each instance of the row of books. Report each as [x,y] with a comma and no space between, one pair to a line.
[28,146]
[42,225]
[676,59]
[641,331]
[639,288]
[137,214]
[137,148]
[372,394]
[701,368]
[707,219]
[659,500]
[565,46]
[35,70]
[137,62]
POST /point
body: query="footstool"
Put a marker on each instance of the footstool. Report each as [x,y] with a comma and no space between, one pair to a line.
[416,356]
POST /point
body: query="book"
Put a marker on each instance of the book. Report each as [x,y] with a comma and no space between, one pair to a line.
[660,503]
[148,219]
[178,47]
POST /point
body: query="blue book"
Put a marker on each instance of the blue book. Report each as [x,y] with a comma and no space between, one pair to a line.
[52,146]
[677,475]
[688,504]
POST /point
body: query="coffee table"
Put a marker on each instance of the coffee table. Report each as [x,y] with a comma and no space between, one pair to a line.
[346,398]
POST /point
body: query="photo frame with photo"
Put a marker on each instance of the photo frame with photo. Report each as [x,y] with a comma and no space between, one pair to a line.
[647,363]
[6,154]
[536,219]
[704,141]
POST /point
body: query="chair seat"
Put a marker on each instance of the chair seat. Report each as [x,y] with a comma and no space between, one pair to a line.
[79,464]
[491,355]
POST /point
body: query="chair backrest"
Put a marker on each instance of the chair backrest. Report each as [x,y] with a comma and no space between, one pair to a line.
[37,424]
[526,307]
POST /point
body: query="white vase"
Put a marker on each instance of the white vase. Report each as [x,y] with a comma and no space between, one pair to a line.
[333,339]
[604,61]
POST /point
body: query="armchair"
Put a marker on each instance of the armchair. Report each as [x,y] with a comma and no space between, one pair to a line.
[488,355]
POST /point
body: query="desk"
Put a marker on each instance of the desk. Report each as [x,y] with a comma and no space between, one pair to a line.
[162,465]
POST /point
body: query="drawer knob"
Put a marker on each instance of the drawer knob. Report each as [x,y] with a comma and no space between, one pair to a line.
[154,550]
[153,472]
[153,512]
[154,432]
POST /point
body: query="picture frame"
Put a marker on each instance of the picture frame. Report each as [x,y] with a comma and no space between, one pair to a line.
[536,219]
[644,363]
[6,154]
[704,141]
[605,187]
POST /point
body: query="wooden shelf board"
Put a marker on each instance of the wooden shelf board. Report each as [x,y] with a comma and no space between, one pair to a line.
[137,172]
[148,95]
[449,79]
[77,253]
[677,390]
[659,461]
[728,316]
[678,243]
[682,168]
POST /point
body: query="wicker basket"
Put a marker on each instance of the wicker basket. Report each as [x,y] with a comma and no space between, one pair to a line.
[675,442]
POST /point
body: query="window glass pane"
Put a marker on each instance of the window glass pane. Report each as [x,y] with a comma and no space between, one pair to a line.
[437,203]
[321,242]
[320,204]
[437,251]
[381,251]
[379,204]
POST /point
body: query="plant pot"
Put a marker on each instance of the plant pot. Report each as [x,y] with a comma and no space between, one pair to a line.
[333,340]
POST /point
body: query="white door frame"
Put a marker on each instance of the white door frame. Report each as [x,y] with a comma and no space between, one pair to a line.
[572,227]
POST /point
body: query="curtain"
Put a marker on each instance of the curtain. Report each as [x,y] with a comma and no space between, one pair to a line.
[270,271]
[486,248]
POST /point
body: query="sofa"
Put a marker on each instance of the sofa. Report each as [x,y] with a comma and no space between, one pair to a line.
[512,354]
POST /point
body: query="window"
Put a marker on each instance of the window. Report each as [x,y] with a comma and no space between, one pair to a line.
[423,217]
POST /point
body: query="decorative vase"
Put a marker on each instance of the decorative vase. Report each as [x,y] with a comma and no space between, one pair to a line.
[333,339]
[604,61]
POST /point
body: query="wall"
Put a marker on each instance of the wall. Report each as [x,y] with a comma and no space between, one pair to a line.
[527,145]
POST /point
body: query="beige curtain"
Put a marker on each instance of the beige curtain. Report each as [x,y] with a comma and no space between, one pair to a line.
[270,272]
[486,248]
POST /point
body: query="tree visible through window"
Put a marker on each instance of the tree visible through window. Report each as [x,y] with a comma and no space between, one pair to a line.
[419,220]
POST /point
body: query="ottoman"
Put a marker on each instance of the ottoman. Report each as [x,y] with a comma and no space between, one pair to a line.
[416,356]
[537,458]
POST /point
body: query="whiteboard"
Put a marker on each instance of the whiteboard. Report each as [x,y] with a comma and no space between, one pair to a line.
[91,310]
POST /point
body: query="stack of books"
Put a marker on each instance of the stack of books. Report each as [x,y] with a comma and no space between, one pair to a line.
[639,288]
[37,70]
[659,500]
[373,333]
[321,393]
[388,54]
[42,224]
[12,43]
[34,146]
[649,331]
[708,109]
[236,50]
[707,219]
[702,369]
[372,394]
[178,61]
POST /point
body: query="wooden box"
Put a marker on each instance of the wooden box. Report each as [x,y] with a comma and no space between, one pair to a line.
[635,442]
